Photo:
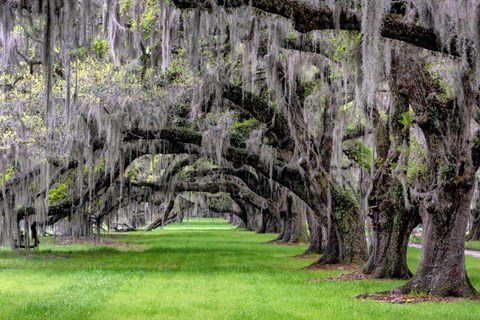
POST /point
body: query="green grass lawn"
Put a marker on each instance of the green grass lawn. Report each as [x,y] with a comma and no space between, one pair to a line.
[468,244]
[201,269]
[472,244]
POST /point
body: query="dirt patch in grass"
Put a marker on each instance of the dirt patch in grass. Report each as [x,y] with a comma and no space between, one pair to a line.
[102,243]
[343,277]
[350,277]
[397,298]
[124,246]
[349,267]
[46,257]
[306,256]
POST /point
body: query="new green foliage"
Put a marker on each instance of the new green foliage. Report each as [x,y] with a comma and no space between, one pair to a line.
[241,130]
[345,44]
[200,164]
[408,119]
[8,174]
[149,18]
[344,206]
[359,152]
[100,47]
[448,171]
[61,190]
[133,171]
[417,161]
[310,86]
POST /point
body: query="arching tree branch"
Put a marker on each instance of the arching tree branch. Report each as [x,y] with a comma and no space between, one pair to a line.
[309,17]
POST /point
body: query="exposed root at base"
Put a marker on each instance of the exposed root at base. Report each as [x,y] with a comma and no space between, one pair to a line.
[397,298]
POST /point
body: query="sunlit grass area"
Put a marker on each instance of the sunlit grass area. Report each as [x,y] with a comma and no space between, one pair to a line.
[200,269]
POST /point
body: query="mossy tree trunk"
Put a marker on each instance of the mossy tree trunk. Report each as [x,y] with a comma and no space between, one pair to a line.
[392,225]
[442,267]
[346,241]
[307,17]
[391,215]
[313,187]
[447,131]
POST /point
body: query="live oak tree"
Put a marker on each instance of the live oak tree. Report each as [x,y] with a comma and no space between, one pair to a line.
[281,98]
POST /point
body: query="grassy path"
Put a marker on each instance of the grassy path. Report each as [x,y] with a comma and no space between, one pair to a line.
[203,269]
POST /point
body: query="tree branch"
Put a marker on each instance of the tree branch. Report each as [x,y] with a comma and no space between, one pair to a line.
[308,17]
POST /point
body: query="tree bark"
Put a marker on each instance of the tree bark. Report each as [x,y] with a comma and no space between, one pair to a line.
[308,17]
[446,127]
[251,213]
[346,242]
[299,228]
[392,225]
[160,221]
[288,224]
[265,221]
[442,268]
[391,215]
[316,234]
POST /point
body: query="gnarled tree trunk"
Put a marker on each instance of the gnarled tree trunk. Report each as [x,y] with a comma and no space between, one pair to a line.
[316,234]
[299,228]
[251,224]
[288,225]
[392,225]
[442,267]
[346,242]
[392,218]
[446,208]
